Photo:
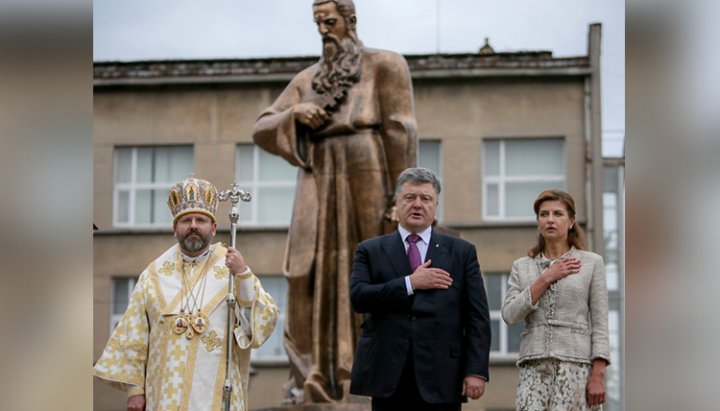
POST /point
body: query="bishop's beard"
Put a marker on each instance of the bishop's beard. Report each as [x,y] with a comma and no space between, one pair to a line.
[196,244]
[339,70]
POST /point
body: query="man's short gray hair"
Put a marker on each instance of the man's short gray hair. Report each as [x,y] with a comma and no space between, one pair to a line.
[417,175]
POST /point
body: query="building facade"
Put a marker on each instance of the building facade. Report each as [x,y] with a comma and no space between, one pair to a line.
[498,128]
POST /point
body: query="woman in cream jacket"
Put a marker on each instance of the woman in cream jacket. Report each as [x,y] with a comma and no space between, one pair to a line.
[560,292]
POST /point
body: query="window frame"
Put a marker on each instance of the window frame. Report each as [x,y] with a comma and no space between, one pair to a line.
[255,184]
[272,360]
[502,179]
[115,318]
[255,359]
[440,208]
[503,354]
[133,186]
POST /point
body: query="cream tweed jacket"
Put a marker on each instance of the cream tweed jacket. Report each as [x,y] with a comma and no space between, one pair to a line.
[570,320]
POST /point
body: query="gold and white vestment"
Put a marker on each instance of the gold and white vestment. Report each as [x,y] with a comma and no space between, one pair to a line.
[175,371]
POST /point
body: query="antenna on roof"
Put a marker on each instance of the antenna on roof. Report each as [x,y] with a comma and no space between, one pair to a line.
[437,26]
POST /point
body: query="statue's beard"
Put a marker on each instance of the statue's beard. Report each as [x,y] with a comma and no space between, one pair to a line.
[339,69]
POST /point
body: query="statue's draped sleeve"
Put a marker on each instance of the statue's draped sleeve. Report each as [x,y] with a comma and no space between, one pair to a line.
[275,129]
[276,132]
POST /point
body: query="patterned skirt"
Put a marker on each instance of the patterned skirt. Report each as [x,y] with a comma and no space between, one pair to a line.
[553,385]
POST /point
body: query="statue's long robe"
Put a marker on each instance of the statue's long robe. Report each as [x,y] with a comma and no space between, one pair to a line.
[346,175]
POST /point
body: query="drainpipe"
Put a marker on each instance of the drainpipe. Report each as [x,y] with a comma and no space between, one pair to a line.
[593,140]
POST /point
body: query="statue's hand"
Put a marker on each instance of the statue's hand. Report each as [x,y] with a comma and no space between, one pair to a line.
[310,114]
[391,214]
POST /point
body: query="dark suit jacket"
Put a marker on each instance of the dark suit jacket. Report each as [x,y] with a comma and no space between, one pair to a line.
[449,330]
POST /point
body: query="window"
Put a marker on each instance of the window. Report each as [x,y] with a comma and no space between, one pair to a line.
[516,171]
[505,343]
[429,156]
[143,177]
[273,350]
[612,224]
[613,380]
[271,180]
[613,202]
[121,290]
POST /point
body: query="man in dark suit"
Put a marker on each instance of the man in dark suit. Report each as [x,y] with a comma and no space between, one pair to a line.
[425,341]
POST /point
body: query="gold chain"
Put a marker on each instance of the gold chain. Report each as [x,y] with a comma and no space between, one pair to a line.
[191,320]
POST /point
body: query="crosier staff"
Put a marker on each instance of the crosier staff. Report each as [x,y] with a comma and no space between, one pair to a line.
[234,195]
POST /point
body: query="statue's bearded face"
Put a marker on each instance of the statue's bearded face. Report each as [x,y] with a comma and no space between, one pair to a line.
[340,64]
[331,24]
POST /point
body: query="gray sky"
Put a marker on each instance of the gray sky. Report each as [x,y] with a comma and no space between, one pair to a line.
[192,29]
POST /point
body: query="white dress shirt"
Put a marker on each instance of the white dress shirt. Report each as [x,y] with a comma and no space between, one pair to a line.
[422,246]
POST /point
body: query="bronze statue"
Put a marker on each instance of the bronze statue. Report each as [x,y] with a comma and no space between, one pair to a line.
[347,122]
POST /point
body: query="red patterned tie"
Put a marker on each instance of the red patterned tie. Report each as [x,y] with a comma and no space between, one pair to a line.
[413,252]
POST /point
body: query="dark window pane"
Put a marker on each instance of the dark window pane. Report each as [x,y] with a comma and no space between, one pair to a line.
[493,288]
[495,331]
[610,179]
[120,295]
[514,332]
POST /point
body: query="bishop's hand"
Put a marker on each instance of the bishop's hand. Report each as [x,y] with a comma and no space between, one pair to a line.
[235,261]
[136,402]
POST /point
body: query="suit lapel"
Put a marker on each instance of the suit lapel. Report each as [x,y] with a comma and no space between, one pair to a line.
[438,253]
[437,250]
[395,250]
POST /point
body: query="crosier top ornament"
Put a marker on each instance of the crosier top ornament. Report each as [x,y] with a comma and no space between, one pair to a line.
[235,195]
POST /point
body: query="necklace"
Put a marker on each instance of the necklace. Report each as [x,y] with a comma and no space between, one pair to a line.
[191,319]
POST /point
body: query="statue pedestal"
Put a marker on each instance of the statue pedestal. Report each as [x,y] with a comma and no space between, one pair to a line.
[319,407]
[357,403]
